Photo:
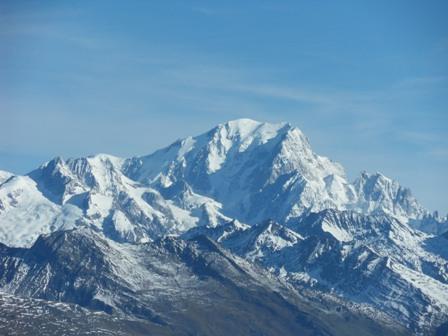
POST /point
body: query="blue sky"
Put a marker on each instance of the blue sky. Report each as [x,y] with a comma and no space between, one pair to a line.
[367,81]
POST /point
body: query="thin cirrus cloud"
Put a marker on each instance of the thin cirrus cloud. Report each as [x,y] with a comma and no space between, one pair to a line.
[127,85]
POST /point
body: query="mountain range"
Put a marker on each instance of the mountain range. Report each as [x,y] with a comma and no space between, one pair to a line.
[242,229]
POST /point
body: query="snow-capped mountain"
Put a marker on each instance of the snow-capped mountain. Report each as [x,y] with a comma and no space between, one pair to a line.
[256,171]
[172,286]
[85,192]
[243,169]
[374,259]
[259,190]
[253,170]
[376,193]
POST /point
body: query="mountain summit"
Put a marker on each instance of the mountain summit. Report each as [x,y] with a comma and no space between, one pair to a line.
[242,169]
[260,191]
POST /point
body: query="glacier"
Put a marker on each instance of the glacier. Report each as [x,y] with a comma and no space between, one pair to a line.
[260,191]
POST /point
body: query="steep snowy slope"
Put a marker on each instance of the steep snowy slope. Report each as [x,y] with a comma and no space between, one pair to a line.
[256,171]
[259,190]
[4,175]
[85,192]
[376,260]
[25,212]
[184,287]
[243,169]
[377,193]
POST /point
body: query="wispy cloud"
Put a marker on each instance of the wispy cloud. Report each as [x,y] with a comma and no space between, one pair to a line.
[421,82]
[245,81]
[420,137]
[49,32]
[439,153]
[50,24]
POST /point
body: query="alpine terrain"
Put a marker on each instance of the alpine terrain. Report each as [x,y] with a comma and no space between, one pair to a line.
[242,230]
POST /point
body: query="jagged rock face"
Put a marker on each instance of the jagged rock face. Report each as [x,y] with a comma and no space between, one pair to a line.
[89,192]
[243,170]
[170,285]
[245,165]
[374,259]
[431,223]
[258,171]
[379,194]
[256,188]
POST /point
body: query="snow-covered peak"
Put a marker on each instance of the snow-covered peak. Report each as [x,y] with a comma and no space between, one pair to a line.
[218,233]
[354,238]
[296,155]
[4,175]
[242,124]
[25,212]
[378,193]
[101,171]
[275,236]
[228,140]
[266,237]
[102,159]
[245,131]
[52,179]
[431,223]
[212,149]
[242,169]
[347,225]
[60,179]
[248,167]
[259,170]
[90,191]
